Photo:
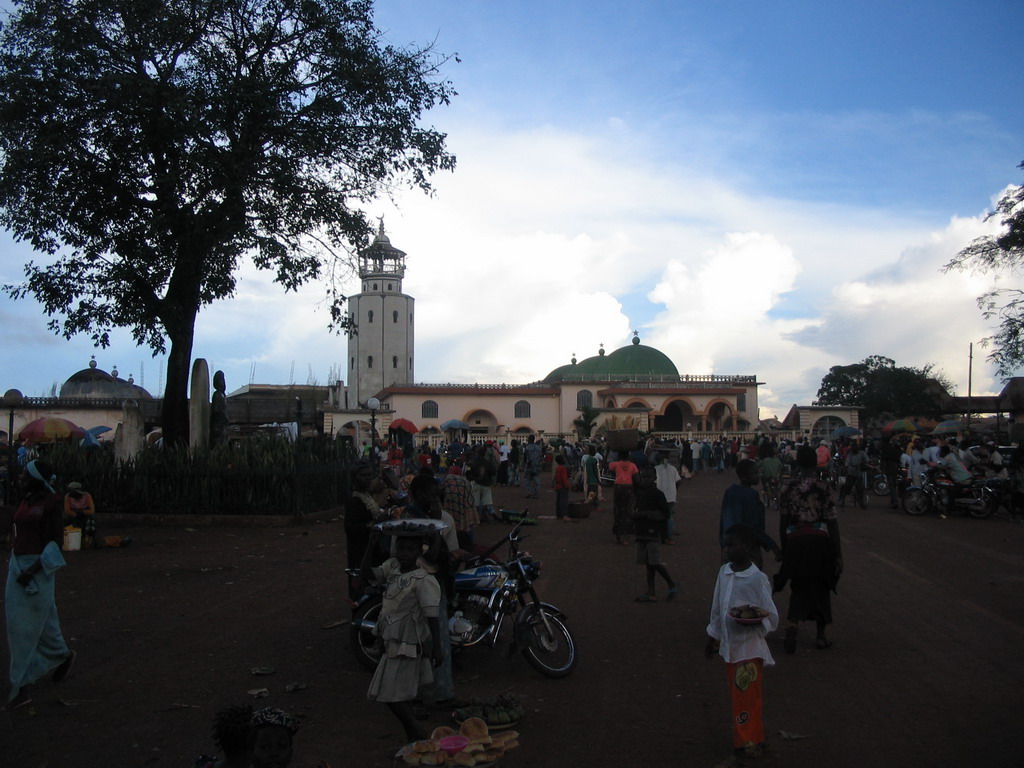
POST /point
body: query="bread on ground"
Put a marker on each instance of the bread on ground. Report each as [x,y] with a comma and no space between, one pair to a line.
[443,731]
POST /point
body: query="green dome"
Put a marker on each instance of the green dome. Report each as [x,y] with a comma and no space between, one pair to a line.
[637,359]
[628,362]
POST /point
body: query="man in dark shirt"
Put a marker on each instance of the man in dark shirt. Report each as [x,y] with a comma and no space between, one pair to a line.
[741,503]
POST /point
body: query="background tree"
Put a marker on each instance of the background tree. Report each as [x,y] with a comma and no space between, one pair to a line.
[1001,254]
[884,390]
[148,148]
[586,421]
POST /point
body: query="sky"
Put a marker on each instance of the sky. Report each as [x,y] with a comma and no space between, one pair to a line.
[757,188]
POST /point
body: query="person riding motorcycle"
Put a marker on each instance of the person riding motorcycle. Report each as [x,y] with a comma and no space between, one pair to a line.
[954,468]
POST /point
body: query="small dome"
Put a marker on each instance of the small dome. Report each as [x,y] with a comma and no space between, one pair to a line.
[97,384]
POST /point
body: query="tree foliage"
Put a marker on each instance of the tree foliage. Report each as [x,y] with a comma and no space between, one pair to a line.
[1001,255]
[149,147]
[586,421]
[884,390]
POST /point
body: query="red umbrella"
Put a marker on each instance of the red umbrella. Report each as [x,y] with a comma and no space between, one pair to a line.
[405,425]
[50,429]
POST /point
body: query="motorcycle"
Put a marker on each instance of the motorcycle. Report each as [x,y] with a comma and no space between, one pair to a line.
[488,597]
[977,499]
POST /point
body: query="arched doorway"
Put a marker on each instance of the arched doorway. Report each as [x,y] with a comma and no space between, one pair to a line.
[678,417]
[720,417]
[824,427]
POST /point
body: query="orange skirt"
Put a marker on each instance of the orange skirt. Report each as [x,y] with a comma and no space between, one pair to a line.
[745,688]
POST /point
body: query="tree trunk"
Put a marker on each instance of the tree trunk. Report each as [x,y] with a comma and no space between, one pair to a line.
[174,414]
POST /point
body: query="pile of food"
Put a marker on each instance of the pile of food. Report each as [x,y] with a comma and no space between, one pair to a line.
[417,526]
[747,614]
[483,748]
[496,711]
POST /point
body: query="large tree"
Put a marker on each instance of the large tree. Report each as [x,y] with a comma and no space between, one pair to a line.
[884,390]
[148,147]
[1001,254]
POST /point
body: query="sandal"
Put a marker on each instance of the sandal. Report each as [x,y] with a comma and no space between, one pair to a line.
[822,643]
[646,599]
[672,593]
[789,643]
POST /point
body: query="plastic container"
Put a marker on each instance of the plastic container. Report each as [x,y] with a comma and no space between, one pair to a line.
[453,744]
[72,539]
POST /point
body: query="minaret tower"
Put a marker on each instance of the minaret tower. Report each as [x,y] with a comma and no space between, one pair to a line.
[380,341]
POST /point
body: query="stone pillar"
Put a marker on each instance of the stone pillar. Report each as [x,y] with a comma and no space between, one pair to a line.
[130,435]
[199,405]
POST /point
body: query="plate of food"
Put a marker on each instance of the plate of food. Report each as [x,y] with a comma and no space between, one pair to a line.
[411,526]
[747,614]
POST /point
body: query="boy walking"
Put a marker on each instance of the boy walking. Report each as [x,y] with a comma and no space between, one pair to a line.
[742,613]
[649,519]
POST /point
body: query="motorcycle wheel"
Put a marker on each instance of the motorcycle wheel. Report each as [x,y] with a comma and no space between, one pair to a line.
[983,503]
[880,485]
[553,655]
[916,502]
[361,636]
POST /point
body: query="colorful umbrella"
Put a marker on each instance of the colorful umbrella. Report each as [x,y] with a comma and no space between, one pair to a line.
[50,429]
[949,426]
[902,425]
[405,425]
[454,424]
[845,431]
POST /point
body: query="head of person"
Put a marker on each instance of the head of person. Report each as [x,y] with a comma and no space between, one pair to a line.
[424,491]
[648,477]
[39,477]
[559,458]
[407,550]
[944,451]
[806,458]
[231,732]
[623,455]
[271,732]
[362,476]
[592,450]
[739,544]
[747,472]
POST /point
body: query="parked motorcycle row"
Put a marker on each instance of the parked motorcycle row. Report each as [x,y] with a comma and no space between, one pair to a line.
[492,594]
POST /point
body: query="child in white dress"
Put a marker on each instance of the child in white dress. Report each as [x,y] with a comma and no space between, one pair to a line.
[742,587]
[408,630]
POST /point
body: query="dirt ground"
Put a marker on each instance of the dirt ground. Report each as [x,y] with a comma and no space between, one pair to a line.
[924,670]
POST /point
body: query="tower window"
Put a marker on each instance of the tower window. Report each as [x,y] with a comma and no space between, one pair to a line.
[352,363]
[369,316]
[522,410]
[389,286]
[394,316]
[375,286]
[428,410]
[369,361]
[394,361]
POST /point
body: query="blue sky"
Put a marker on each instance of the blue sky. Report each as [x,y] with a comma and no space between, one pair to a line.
[759,188]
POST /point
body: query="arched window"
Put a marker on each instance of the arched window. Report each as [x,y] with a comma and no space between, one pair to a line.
[369,316]
[522,410]
[369,361]
[584,399]
[389,286]
[394,316]
[825,426]
[375,286]
[428,410]
[394,361]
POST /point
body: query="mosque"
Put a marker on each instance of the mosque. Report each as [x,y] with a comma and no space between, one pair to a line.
[633,386]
